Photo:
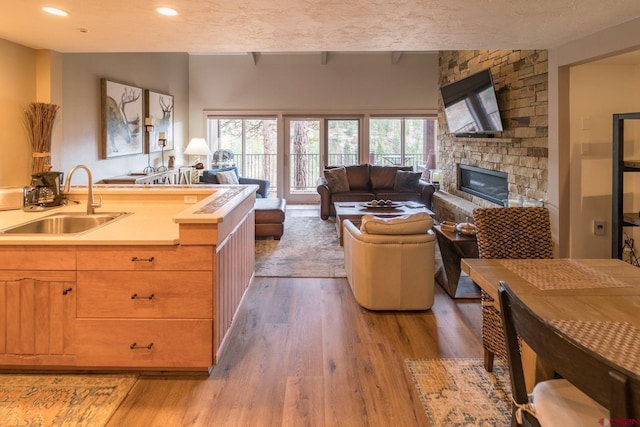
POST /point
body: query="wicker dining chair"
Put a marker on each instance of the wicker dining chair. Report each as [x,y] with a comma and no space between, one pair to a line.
[508,233]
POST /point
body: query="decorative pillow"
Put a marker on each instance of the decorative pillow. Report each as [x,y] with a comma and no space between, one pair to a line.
[407,182]
[227,177]
[337,180]
[358,176]
[417,223]
[382,177]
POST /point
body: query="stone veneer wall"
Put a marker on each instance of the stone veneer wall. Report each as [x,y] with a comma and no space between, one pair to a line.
[520,79]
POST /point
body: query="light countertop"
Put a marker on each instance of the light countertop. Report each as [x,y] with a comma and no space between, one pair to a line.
[156,213]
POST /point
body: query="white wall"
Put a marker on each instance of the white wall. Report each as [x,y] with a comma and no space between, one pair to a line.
[163,72]
[283,82]
[597,92]
[18,83]
[618,39]
[224,82]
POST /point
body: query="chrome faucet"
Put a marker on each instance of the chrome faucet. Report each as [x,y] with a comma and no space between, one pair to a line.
[91,204]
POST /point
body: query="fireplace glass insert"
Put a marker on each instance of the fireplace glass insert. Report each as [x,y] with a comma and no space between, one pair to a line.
[485,183]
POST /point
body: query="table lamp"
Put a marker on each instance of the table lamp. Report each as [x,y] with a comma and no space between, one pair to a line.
[198,147]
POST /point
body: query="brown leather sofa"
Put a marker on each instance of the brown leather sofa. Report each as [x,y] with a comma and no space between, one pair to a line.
[368,182]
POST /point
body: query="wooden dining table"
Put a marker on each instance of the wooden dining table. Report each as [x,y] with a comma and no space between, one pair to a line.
[595,302]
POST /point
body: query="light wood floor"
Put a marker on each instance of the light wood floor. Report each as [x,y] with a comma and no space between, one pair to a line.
[302,352]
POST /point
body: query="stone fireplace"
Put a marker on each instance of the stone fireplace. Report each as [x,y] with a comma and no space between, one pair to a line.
[484,183]
[521,151]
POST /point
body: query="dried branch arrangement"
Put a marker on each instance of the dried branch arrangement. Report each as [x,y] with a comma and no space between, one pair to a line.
[39,119]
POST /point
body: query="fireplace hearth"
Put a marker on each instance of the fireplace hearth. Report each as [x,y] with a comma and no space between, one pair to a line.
[484,183]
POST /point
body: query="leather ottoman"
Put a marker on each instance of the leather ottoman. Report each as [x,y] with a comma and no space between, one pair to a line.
[270,217]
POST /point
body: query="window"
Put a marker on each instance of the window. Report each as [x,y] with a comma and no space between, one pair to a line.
[253,142]
[403,141]
[343,137]
[309,143]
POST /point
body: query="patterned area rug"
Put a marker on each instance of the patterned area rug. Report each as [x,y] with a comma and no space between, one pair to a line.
[61,400]
[459,392]
[308,248]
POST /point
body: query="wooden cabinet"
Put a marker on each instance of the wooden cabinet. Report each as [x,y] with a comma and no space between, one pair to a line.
[52,258]
[139,307]
[37,317]
[621,215]
[145,258]
[134,294]
[158,344]
[145,307]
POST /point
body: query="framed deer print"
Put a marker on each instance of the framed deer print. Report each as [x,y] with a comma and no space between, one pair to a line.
[159,107]
[122,120]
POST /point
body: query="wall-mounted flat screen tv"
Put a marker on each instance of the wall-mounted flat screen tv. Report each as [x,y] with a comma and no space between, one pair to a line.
[471,106]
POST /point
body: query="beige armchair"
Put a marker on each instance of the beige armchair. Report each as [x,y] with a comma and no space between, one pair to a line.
[390,271]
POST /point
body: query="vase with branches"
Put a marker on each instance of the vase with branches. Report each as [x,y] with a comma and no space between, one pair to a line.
[39,120]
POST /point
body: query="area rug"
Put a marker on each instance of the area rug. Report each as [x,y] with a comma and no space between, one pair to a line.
[459,392]
[61,400]
[309,247]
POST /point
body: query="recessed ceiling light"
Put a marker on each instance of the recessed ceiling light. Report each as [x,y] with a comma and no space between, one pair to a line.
[55,11]
[167,11]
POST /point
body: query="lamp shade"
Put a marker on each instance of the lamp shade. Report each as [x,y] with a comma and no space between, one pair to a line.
[197,147]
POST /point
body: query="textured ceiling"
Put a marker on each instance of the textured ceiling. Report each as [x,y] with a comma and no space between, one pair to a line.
[210,26]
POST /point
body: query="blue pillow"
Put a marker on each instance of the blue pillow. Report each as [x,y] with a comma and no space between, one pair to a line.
[209,175]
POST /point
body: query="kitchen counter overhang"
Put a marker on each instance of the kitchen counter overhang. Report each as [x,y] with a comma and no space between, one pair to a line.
[159,215]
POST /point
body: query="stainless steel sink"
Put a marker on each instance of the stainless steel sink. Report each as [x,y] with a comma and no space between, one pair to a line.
[65,223]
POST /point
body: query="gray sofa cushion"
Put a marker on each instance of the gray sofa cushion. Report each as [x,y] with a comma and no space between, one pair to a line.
[407,182]
[358,177]
[384,177]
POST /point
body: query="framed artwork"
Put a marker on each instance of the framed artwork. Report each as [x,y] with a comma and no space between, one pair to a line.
[122,120]
[159,107]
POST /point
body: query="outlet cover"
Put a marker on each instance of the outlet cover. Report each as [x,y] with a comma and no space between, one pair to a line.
[189,200]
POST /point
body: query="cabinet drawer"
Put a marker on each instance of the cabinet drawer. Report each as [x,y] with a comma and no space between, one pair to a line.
[145,294]
[158,343]
[145,258]
[38,258]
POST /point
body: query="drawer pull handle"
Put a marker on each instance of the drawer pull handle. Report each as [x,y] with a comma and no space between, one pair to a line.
[135,346]
[66,291]
[136,259]
[149,297]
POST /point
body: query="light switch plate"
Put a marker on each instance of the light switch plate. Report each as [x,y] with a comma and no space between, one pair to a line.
[598,228]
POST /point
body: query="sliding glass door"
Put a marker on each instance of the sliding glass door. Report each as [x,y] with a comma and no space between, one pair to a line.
[311,144]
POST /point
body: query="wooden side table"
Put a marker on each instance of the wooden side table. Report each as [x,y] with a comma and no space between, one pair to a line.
[453,247]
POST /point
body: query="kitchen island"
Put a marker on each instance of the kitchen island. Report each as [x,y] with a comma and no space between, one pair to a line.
[155,289]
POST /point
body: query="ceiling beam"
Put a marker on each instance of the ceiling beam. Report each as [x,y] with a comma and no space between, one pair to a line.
[395,57]
[324,58]
[254,57]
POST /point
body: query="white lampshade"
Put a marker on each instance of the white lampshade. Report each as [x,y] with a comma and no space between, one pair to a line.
[197,147]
